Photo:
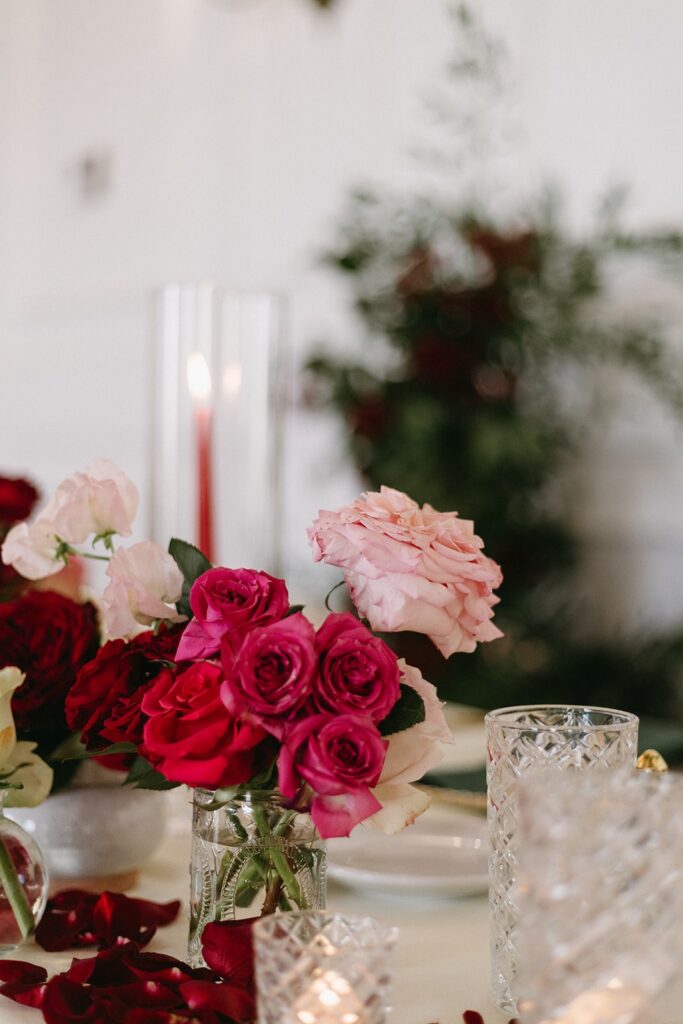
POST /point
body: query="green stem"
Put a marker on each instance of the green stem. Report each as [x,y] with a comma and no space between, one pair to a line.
[14,893]
[280,862]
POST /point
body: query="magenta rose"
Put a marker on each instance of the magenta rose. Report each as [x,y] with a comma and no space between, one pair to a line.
[190,736]
[358,671]
[271,676]
[412,568]
[341,758]
[230,602]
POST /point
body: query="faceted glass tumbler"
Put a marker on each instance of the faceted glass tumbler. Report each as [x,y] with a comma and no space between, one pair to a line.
[521,741]
[601,896]
[318,968]
[251,856]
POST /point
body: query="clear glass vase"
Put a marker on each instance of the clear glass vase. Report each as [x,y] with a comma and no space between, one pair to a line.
[23,886]
[251,857]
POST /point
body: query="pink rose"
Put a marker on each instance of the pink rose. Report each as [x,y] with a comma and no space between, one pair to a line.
[358,672]
[410,754]
[271,675]
[230,601]
[412,568]
[190,736]
[340,757]
[145,584]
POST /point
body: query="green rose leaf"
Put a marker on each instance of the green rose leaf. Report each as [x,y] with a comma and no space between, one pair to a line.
[409,710]
[142,776]
[192,564]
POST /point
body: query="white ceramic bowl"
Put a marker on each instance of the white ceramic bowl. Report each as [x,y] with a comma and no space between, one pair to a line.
[95,831]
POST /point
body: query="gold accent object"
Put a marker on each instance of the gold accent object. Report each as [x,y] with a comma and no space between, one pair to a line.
[651,761]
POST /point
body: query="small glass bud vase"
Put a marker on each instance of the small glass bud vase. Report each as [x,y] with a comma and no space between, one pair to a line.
[23,885]
[251,856]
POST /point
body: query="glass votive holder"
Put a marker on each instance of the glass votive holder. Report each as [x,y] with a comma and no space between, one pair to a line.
[521,741]
[600,892]
[322,968]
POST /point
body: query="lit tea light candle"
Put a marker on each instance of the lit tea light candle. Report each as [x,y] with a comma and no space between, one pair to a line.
[329,999]
[199,383]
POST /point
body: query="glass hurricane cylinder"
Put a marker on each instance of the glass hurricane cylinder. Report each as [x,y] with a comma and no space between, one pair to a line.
[23,886]
[251,857]
[520,741]
[219,402]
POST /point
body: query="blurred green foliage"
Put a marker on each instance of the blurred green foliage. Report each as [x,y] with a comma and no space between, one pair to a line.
[479,387]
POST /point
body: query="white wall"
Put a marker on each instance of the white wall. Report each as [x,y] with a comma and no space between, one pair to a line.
[235,128]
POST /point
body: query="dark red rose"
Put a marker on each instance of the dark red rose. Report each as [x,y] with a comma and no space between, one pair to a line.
[103,701]
[17,498]
[191,737]
[49,637]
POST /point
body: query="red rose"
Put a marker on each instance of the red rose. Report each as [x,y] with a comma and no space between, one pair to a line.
[192,738]
[17,498]
[49,637]
[104,702]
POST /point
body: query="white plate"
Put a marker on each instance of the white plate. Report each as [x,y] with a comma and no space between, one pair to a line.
[445,853]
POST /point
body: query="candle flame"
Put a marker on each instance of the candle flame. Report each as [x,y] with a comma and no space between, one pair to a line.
[198,377]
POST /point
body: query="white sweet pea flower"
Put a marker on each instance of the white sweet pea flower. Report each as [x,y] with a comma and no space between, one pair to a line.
[145,585]
[33,549]
[100,501]
[410,755]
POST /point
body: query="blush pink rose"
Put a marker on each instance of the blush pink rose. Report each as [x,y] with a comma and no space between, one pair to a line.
[271,676]
[230,602]
[358,672]
[145,584]
[410,754]
[341,758]
[190,737]
[412,568]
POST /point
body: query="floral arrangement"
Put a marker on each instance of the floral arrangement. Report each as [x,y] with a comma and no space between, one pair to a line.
[17,499]
[209,677]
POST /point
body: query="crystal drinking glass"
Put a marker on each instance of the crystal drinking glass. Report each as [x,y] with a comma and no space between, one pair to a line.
[522,740]
[601,896]
[319,968]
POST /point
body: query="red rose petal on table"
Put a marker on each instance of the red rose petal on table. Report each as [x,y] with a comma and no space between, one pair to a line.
[74,919]
[228,949]
[67,921]
[472,1017]
[116,917]
[66,1002]
[22,982]
[233,1002]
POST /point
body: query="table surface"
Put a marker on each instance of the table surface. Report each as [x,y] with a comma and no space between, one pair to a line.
[441,958]
[442,962]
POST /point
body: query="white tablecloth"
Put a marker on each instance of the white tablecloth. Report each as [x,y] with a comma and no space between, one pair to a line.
[441,959]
